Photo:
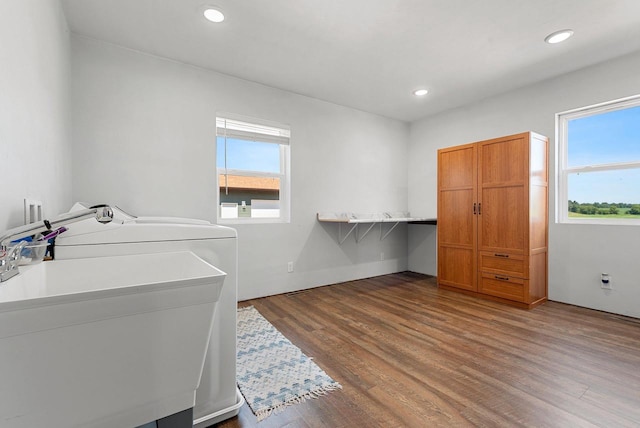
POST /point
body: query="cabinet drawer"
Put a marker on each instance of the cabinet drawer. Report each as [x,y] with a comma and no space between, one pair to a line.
[504,286]
[503,263]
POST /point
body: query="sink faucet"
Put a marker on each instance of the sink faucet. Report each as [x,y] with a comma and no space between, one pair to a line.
[9,261]
[9,258]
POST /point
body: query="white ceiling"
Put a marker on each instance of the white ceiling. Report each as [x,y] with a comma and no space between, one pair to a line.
[371,54]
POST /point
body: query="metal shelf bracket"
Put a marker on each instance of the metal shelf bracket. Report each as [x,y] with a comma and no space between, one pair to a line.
[382,236]
[341,238]
[360,238]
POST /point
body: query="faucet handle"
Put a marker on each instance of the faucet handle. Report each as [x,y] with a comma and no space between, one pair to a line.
[15,253]
[104,213]
[9,259]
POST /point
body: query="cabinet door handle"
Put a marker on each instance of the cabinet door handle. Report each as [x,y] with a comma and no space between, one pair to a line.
[479,208]
[501,255]
[474,208]
[502,278]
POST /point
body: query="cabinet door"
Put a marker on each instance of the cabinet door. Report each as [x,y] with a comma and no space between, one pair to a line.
[457,224]
[502,195]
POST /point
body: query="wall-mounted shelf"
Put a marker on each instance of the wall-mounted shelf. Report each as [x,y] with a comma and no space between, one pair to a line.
[431,221]
[353,219]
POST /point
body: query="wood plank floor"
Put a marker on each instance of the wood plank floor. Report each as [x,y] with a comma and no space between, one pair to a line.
[410,355]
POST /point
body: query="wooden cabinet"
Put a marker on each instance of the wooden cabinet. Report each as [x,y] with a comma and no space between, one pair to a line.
[493,218]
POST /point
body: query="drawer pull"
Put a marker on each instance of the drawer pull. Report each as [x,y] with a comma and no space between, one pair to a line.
[501,255]
[502,278]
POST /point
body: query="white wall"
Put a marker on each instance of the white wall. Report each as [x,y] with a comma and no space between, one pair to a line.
[35,150]
[577,253]
[144,139]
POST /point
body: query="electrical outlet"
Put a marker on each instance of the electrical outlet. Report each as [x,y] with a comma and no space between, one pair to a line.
[290,267]
[605,281]
[32,211]
[381,256]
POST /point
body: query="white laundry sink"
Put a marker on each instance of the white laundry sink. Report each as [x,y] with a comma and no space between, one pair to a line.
[106,341]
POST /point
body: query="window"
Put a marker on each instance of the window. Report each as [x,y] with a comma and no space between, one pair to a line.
[252,170]
[599,163]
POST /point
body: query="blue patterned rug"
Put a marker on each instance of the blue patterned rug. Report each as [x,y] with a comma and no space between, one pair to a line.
[272,372]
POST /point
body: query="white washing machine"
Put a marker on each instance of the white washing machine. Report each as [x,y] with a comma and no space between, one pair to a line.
[217,397]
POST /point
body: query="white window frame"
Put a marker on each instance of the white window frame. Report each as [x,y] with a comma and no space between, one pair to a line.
[563,170]
[251,129]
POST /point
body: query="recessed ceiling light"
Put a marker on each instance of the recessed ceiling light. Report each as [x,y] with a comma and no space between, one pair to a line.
[420,92]
[558,36]
[214,15]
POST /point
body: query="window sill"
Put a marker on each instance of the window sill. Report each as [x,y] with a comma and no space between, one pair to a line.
[602,221]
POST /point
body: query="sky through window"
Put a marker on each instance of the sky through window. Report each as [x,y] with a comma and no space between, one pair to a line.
[605,138]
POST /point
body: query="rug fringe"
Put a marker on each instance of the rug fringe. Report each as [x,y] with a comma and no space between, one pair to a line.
[316,393]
